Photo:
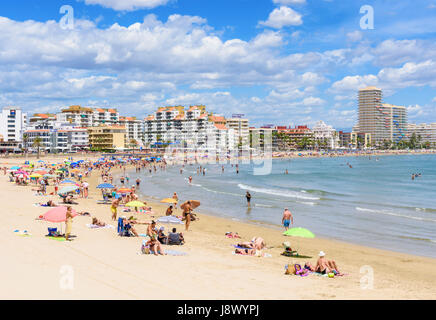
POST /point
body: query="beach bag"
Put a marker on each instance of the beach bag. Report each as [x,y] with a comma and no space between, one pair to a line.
[290,269]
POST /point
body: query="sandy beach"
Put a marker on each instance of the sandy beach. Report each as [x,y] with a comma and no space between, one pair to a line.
[103,265]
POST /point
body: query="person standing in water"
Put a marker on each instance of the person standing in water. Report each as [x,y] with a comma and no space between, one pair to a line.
[248,196]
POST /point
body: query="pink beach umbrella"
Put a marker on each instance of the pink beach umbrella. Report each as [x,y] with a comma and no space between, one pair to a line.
[58,214]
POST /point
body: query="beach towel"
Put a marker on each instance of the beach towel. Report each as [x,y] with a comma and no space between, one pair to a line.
[61,239]
[263,255]
[93,226]
[22,233]
[175,253]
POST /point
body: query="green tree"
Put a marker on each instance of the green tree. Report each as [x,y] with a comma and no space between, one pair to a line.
[37,143]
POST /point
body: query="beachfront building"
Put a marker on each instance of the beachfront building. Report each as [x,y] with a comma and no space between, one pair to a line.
[77,116]
[262,135]
[299,137]
[189,128]
[325,136]
[425,133]
[385,122]
[12,124]
[109,138]
[10,146]
[354,140]
[42,121]
[242,130]
[61,139]
[134,130]
[103,116]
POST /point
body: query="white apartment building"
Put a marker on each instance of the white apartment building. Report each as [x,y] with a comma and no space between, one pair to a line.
[134,129]
[77,116]
[105,117]
[241,129]
[188,128]
[427,132]
[12,124]
[59,140]
[326,134]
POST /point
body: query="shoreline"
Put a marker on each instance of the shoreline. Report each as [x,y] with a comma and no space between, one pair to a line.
[107,266]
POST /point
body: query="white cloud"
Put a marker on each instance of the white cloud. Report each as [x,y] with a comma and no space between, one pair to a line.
[128,5]
[282,17]
[355,36]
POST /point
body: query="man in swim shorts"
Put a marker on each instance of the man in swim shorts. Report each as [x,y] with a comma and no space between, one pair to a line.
[287,218]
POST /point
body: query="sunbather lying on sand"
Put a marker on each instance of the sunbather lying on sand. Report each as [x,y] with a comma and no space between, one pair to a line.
[48,204]
[325,266]
[246,252]
[97,222]
[233,235]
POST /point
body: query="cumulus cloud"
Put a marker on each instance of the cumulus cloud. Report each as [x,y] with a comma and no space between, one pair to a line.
[282,17]
[128,5]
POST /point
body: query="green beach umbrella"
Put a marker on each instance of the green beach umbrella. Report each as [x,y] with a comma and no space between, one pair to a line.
[299,232]
[135,204]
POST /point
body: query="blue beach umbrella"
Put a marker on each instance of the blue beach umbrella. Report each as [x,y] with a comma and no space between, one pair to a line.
[105,186]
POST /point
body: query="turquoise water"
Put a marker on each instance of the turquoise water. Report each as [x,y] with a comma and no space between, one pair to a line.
[374,203]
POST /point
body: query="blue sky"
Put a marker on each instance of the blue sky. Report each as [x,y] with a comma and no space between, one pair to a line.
[286,62]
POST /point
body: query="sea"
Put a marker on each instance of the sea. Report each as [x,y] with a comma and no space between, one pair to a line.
[372,201]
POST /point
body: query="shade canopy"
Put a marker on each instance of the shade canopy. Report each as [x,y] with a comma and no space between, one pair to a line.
[68,189]
[105,186]
[169,200]
[135,204]
[299,232]
[170,220]
[194,204]
[58,214]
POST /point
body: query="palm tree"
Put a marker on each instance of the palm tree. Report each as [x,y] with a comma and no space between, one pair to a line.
[133,143]
[37,143]
[25,140]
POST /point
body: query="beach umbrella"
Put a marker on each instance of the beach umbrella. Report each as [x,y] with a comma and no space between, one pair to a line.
[49,176]
[67,182]
[135,204]
[170,220]
[15,168]
[35,175]
[58,214]
[299,232]
[194,204]
[124,190]
[68,189]
[105,186]
[169,200]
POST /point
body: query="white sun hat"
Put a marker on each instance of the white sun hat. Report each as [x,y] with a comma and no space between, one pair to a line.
[321,253]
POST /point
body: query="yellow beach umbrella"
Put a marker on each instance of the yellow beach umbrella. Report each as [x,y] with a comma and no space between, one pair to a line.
[169,200]
[135,204]
[35,175]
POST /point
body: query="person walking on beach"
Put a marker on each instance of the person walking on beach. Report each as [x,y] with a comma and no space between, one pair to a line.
[190,179]
[248,196]
[68,223]
[287,218]
[187,211]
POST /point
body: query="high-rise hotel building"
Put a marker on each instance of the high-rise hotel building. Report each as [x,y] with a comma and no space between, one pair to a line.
[385,122]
